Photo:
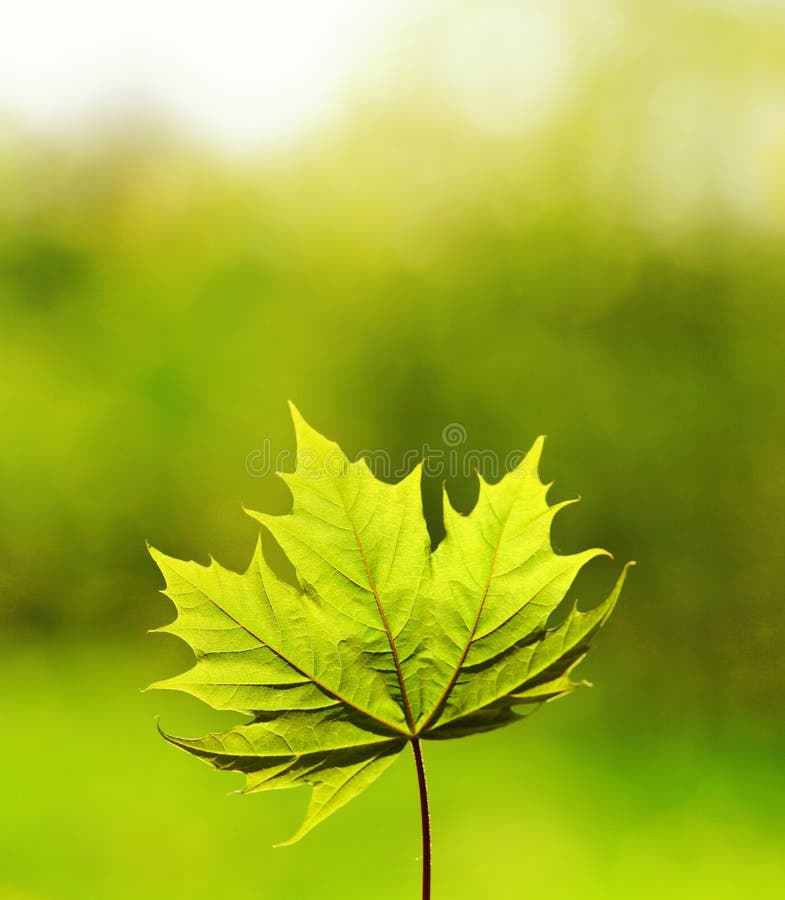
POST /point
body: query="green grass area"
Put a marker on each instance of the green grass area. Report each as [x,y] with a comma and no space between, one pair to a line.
[576,801]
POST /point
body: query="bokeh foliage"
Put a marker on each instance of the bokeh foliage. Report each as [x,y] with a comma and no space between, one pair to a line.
[602,279]
[612,276]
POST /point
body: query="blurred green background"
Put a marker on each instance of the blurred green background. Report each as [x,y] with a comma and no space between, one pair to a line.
[609,272]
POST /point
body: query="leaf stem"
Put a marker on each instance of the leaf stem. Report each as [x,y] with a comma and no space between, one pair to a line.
[426,820]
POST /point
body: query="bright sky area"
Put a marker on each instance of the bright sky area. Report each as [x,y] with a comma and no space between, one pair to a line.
[247,72]
[235,70]
[243,74]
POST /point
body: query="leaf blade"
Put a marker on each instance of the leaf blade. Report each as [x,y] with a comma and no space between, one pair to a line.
[382,640]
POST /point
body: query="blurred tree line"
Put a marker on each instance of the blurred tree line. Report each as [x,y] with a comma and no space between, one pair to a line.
[611,276]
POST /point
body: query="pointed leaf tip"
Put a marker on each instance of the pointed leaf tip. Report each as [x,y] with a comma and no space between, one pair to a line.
[299,421]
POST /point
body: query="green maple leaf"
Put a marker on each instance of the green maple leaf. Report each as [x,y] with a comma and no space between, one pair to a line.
[383,642]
